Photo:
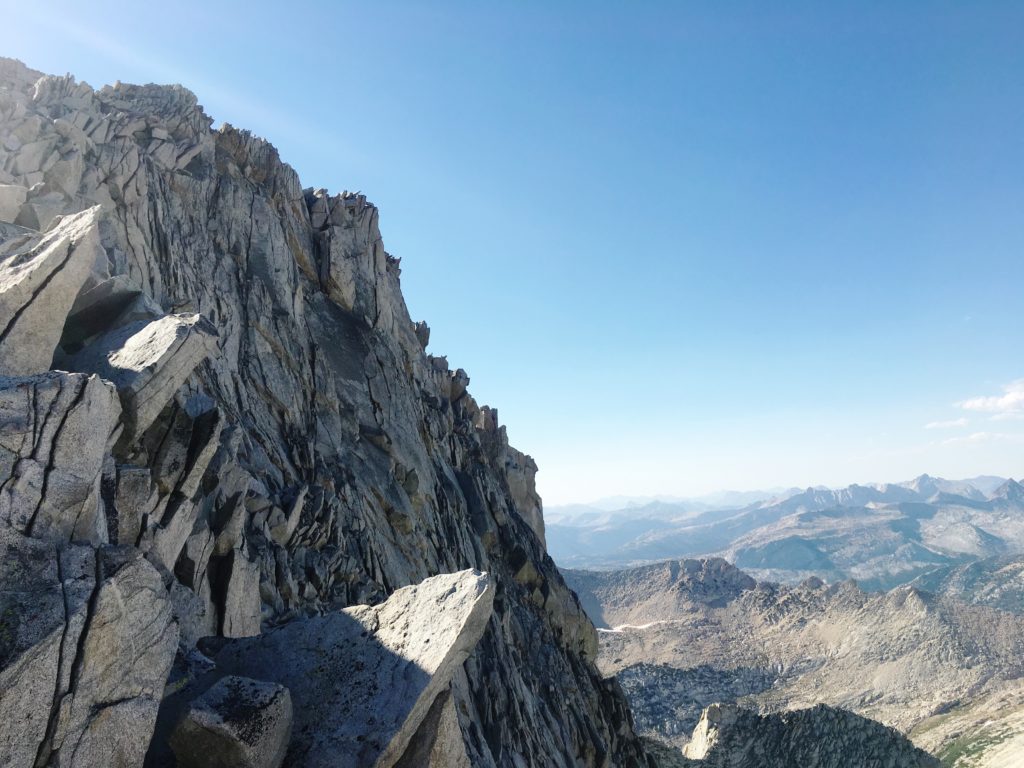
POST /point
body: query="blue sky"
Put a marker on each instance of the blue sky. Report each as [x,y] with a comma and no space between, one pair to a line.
[681,246]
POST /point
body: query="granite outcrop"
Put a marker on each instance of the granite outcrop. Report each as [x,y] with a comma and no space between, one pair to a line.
[221,429]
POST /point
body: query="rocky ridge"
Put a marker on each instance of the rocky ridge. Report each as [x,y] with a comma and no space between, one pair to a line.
[217,420]
[730,737]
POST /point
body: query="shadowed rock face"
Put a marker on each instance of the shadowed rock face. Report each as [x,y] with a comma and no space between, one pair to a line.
[727,736]
[363,679]
[264,428]
[237,722]
[40,276]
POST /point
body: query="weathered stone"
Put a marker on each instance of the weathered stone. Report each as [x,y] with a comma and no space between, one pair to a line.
[87,644]
[438,742]
[241,617]
[319,381]
[97,309]
[362,680]
[43,599]
[43,211]
[54,429]
[11,198]
[147,362]
[107,716]
[134,500]
[238,723]
[282,526]
[522,473]
[38,285]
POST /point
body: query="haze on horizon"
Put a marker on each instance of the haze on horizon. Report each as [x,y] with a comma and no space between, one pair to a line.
[680,247]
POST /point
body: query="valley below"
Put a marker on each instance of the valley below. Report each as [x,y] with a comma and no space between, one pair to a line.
[942,666]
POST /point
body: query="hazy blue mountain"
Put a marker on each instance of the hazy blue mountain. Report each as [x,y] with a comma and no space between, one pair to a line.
[882,535]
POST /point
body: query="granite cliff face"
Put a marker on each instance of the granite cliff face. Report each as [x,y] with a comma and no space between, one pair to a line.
[218,424]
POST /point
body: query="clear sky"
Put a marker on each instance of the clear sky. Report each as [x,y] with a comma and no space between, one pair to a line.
[680,246]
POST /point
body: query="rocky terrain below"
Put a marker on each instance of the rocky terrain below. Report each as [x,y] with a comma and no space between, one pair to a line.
[997,582]
[730,737]
[246,518]
[682,635]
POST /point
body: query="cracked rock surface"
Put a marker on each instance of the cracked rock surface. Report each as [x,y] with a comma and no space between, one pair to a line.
[217,408]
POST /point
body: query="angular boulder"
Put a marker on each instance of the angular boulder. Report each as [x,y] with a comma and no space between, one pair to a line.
[148,361]
[364,679]
[40,277]
[12,196]
[238,723]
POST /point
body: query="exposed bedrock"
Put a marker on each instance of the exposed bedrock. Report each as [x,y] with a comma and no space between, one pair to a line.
[822,736]
[87,640]
[215,392]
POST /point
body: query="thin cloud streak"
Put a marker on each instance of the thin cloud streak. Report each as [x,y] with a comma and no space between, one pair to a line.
[977,438]
[951,424]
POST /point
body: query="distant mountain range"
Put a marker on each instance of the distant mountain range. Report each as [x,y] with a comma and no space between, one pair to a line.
[882,535]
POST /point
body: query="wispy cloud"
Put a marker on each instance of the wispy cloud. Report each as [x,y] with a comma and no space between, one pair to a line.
[1007,416]
[951,424]
[1007,405]
[977,438]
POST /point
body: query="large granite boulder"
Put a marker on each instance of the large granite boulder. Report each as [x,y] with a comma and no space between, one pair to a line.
[148,361]
[363,680]
[238,723]
[40,277]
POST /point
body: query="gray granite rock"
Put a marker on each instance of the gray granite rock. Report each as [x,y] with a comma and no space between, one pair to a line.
[363,679]
[39,280]
[317,458]
[148,361]
[12,196]
[43,609]
[118,668]
[87,641]
[730,737]
[54,432]
[238,723]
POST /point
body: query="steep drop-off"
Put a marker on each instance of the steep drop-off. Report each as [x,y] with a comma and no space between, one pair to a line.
[252,434]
